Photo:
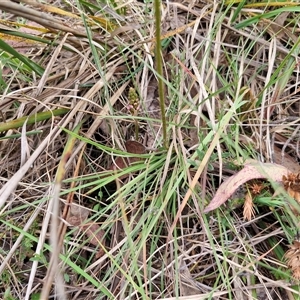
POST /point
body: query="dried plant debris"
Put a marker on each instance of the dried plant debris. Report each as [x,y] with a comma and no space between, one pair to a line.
[291,183]
[251,171]
[249,212]
[100,70]
[254,189]
[121,163]
[78,217]
[293,259]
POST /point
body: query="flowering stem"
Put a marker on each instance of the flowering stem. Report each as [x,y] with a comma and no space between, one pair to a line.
[160,70]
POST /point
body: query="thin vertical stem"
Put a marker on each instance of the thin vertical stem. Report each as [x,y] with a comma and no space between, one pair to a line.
[159,68]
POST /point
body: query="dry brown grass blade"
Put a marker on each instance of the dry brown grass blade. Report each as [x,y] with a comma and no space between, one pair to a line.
[56,10]
[12,183]
[49,67]
[53,269]
[188,285]
[49,8]
[214,143]
[39,17]
[104,112]
[14,247]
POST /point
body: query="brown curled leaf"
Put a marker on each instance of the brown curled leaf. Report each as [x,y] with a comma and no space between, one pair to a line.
[255,170]
[96,236]
[133,147]
[78,215]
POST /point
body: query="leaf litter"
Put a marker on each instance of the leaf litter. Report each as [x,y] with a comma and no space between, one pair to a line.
[255,170]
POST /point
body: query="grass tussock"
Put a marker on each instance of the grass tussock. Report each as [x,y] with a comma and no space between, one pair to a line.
[117,128]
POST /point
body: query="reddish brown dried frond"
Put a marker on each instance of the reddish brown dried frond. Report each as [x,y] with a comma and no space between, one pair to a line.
[291,183]
[293,259]
[256,188]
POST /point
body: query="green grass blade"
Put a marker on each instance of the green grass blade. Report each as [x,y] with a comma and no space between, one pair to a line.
[29,63]
[267,15]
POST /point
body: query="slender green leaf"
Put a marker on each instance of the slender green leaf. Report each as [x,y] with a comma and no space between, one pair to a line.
[32,65]
[268,15]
